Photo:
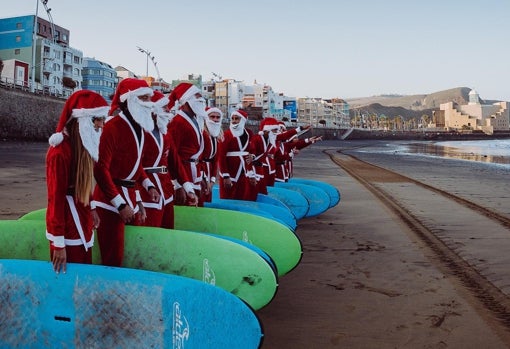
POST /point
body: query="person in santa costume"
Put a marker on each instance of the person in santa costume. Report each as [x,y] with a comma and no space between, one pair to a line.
[213,134]
[235,160]
[119,166]
[186,132]
[161,162]
[264,146]
[70,217]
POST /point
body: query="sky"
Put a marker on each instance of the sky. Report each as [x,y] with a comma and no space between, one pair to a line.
[302,48]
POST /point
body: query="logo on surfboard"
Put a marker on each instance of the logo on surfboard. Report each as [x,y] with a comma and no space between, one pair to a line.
[180,332]
[245,237]
[209,276]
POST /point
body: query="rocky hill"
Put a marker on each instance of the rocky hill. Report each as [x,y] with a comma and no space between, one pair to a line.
[409,106]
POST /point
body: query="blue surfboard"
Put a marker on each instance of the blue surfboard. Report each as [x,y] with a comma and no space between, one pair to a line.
[262,209]
[294,200]
[333,192]
[317,198]
[94,306]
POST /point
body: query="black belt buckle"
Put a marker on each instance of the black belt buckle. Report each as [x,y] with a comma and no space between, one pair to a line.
[164,169]
[128,183]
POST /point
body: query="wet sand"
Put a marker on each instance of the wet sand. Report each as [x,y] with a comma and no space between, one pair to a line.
[363,281]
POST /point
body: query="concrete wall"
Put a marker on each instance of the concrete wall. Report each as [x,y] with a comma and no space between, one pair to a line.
[27,116]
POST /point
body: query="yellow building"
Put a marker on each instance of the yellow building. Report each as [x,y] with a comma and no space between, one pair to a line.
[476,116]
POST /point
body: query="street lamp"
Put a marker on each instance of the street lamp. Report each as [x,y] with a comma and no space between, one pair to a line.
[152,58]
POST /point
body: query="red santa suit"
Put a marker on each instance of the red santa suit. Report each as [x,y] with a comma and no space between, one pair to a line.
[231,162]
[119,168]
[209,162]
[69,222]
[186,131]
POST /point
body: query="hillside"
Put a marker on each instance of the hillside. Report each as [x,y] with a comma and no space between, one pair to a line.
[409,106]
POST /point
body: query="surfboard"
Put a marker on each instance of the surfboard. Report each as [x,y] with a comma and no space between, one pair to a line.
[258,208]
[294,200]
[93,306]
[317,198]
[219,262]
[333,192]
[274,238]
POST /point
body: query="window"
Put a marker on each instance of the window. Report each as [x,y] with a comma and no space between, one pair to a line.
[18,38]
[17,51]
[19,26]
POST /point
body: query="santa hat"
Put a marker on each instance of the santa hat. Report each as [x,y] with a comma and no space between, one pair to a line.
[269,124]
[159,99]
[182,93]
[210,110]
[129,87]
[241,113]
[83,103]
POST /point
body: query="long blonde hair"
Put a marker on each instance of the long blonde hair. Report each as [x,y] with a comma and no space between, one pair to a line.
[82,164]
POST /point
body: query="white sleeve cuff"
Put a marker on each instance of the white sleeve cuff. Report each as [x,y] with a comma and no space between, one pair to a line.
[118,200]
[188,187]
[298,129]
[93,205]
[59,242]
[147,183]
[213,179]
[138,196]
[176,184]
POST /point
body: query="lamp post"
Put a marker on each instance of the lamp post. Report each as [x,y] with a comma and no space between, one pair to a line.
[34,42]
[152,58]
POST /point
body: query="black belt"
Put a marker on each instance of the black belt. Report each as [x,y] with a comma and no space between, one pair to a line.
[192,160]
[128,183]
[208,160]
[160,169]
[258,163]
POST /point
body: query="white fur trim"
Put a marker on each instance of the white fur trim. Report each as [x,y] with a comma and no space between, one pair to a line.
[188,187]
[147,183]
[55,139]
[190,92]
[138,92]
[117,201]
[238,114]
[90,112]
[215,110]
[270,127]
[161,102]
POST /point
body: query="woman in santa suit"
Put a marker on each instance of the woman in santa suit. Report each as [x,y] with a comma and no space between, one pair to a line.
[119,168]
[161,163]
[69,176]
[212,136]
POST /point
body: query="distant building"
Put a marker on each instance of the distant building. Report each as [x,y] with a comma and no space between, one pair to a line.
[475,115]
[56,66]
[332,113]
[99,77]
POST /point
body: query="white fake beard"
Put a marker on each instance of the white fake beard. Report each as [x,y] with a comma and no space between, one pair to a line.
[89,136]
[272,138]
[198,107]
[238,129]
[213,127]
[141,112]
[162,120]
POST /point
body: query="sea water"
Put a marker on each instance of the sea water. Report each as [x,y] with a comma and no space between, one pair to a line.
[495,151]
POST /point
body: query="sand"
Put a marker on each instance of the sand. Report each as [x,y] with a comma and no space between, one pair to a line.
[363,282]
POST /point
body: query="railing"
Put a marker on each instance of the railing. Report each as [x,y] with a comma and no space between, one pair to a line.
[20,85]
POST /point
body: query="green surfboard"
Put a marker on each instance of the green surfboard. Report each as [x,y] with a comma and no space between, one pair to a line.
[274,238]
[219,262]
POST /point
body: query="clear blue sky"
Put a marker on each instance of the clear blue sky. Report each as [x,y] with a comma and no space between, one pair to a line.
[315,48]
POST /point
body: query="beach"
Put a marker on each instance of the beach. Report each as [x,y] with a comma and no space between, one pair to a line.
[364,280]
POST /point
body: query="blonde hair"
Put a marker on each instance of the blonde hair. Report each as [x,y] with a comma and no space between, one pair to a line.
[82,165]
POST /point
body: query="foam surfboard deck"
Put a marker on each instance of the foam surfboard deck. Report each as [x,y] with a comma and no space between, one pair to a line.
[294,200]
[317,198]
[333,192]
[92,306]
[274,238]
[260,198]
[280,214]
[219,262]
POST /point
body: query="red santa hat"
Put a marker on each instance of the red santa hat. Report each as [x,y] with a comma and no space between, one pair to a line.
[129,87]
[182,93]
[241,113]
[83,103]
[210,110]
[269,124]
[159,99]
